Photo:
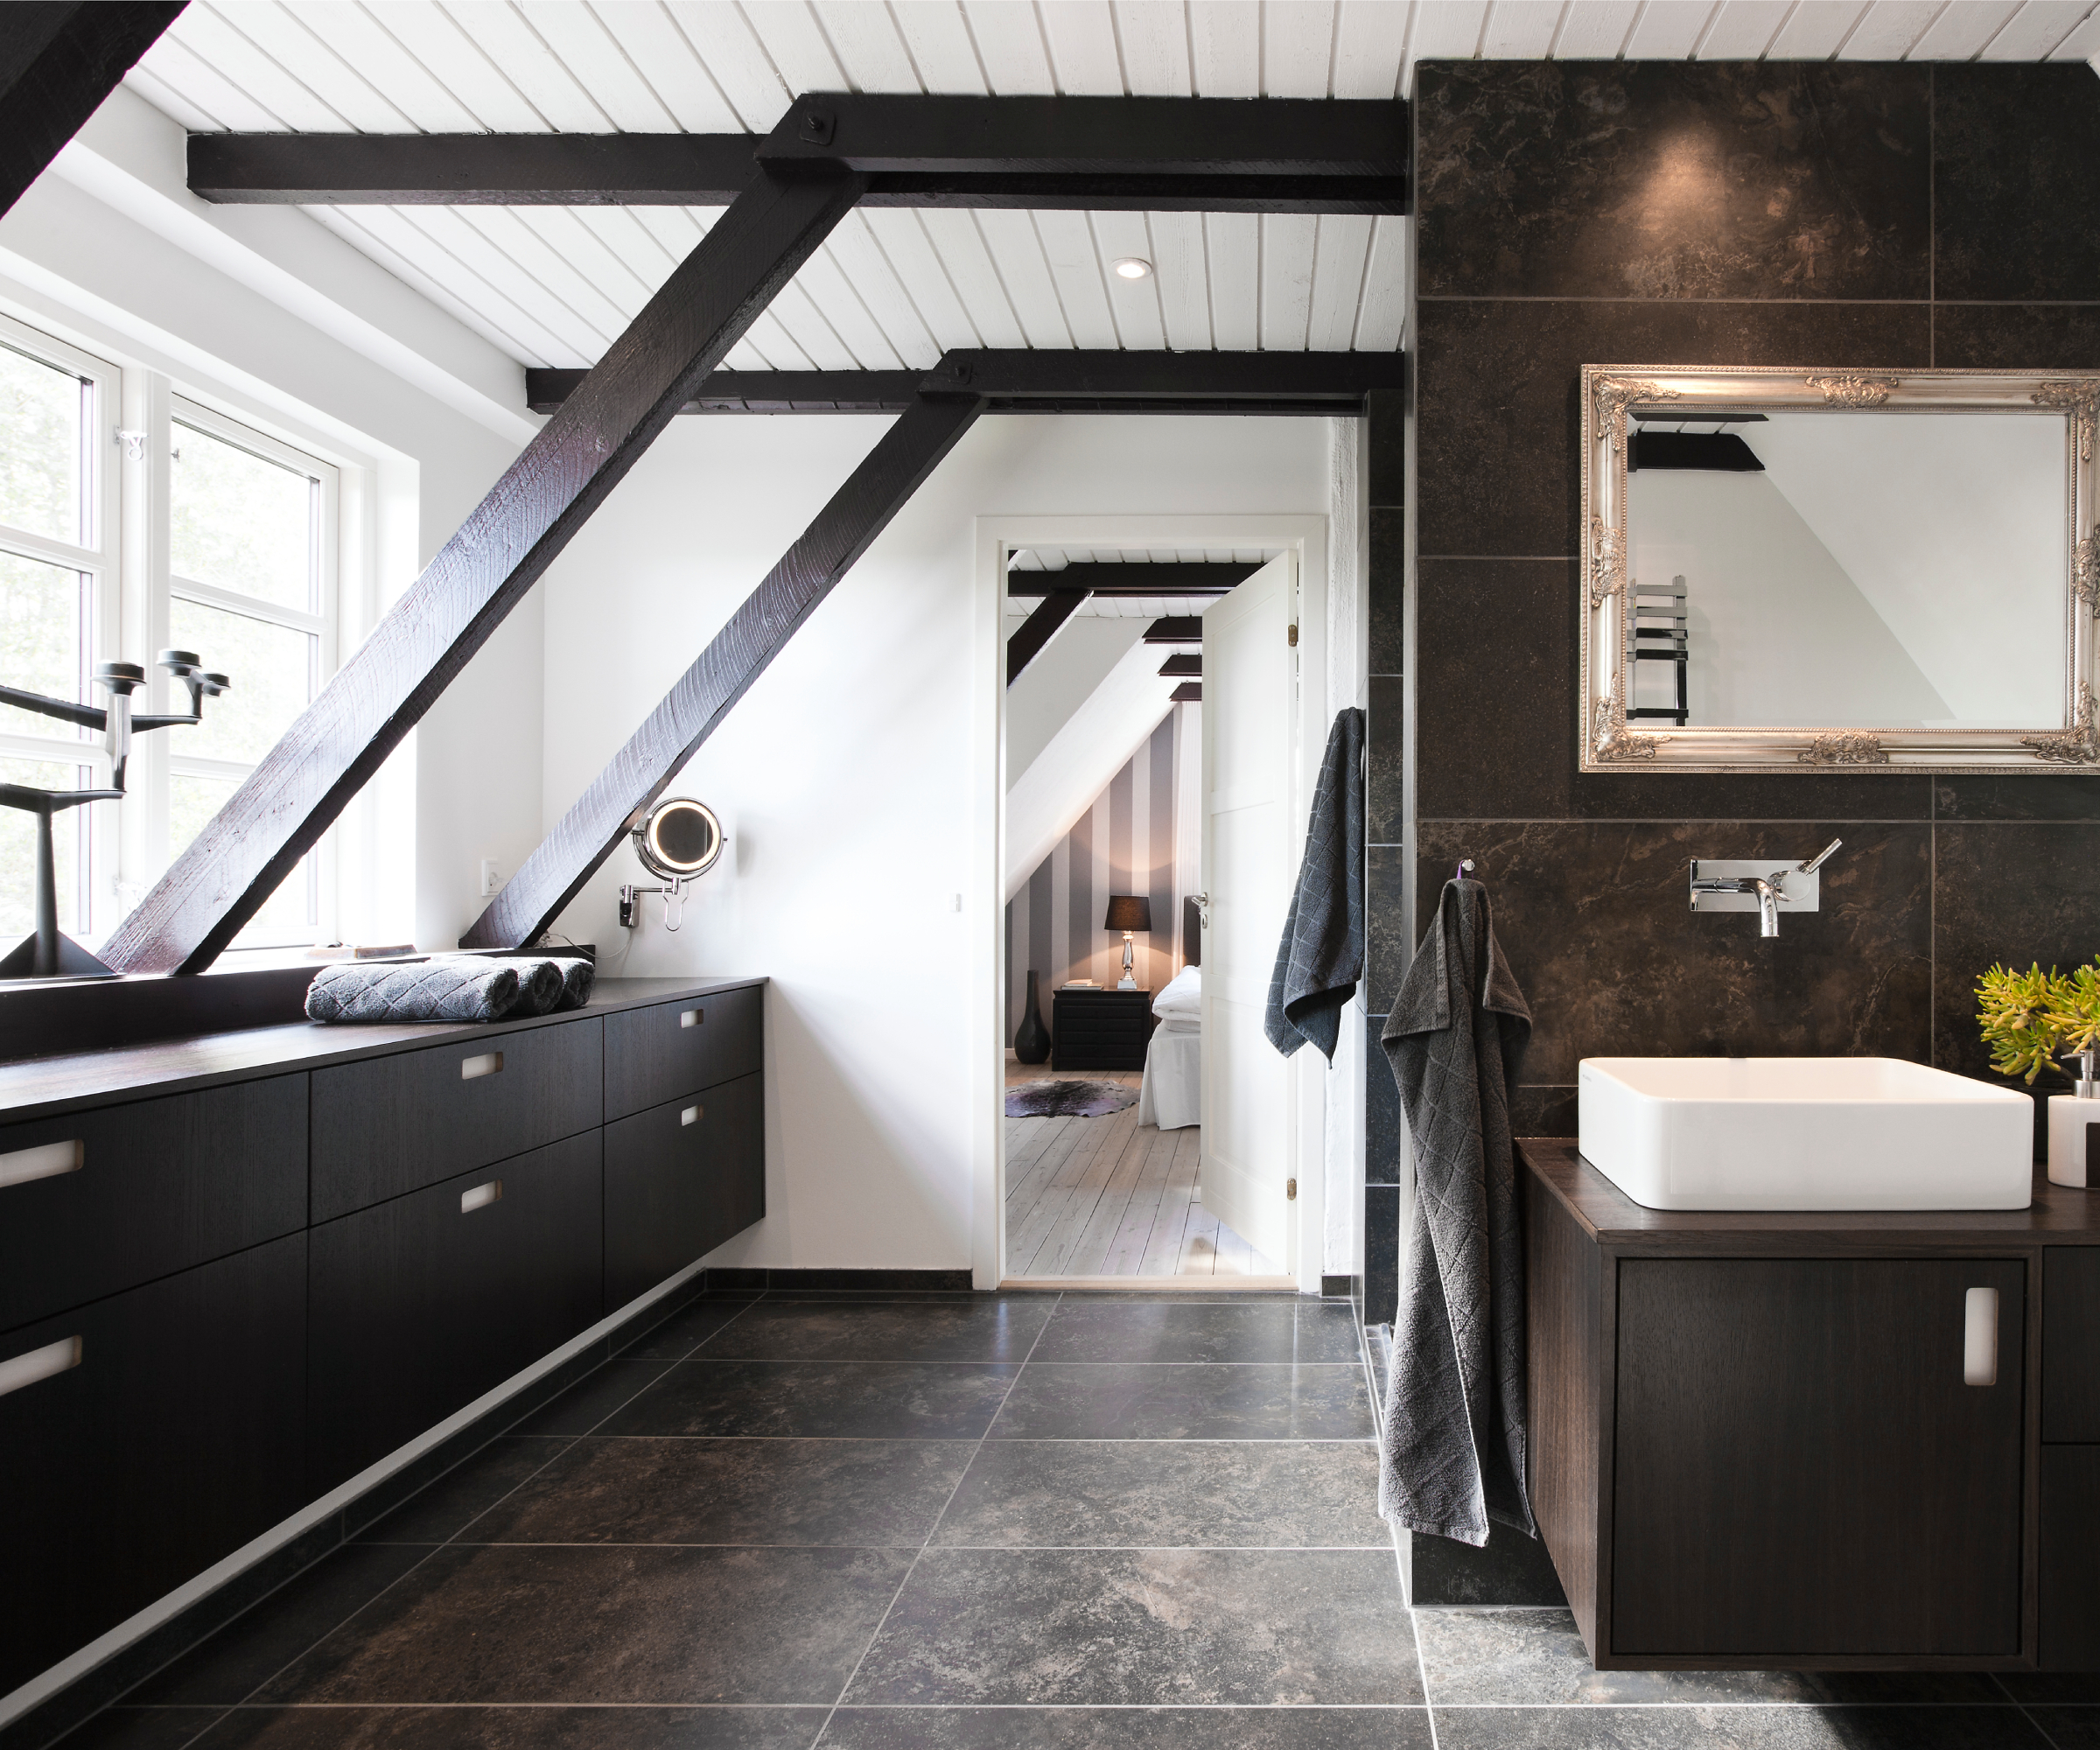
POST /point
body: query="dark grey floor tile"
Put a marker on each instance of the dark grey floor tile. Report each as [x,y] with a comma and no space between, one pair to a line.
[1163,1494]
[516,1623]
[142,1728]
[1123,1728]
[1146,1627]
[467,1489]
[850,1400]
[2052,1688]
[1172,1330]
[874,1494]
[1736,1728]
[518,1728]
[1261,1401]
[261,1642]
[594,1397]
[685,1330]
[983,1328]
[2068,1728]
[1536,1658]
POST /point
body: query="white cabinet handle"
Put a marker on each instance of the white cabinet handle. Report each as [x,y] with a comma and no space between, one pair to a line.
[1979,1337]
[692,1115]
[480,1197]
[692,1018]
[489,1063]
[46,1161]
[47,1363]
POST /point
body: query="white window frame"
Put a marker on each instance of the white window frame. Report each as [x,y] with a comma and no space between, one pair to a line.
[92,917]
[167,586]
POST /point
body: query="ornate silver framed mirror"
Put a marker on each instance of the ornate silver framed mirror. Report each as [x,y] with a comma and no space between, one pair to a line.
[1796,569]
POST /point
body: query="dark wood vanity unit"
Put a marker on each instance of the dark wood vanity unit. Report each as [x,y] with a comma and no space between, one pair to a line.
[1753,1445]
[237,1270]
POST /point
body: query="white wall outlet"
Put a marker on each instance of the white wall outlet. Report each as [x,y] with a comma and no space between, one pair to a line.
[491,878]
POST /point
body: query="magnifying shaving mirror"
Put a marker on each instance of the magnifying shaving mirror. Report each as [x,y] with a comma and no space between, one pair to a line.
[677,841]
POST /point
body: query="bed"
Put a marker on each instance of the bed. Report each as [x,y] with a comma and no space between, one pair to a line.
[1172,1094]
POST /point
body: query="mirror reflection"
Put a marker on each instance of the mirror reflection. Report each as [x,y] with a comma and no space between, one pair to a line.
[1893,568]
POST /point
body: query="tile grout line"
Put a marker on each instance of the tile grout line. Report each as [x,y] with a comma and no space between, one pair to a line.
[846,1687]
[2041,1731]
[416,1567]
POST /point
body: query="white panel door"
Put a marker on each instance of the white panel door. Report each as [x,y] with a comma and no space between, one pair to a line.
[1249,863]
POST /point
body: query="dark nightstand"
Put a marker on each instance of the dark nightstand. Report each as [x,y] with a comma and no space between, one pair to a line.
[1100,1029]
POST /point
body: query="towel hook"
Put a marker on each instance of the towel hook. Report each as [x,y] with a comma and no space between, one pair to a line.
[1463,869]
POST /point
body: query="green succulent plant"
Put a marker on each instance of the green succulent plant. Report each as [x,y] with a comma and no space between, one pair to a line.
[2031,1018]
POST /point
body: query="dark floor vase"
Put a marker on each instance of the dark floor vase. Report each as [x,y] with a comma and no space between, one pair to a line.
[1031,1043]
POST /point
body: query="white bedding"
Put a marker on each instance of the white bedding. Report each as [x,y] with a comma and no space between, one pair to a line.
[1171,1096]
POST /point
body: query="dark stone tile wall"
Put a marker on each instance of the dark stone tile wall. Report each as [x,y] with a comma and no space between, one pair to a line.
[1863,215]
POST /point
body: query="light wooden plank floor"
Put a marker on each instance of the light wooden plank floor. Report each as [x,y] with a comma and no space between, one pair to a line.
[1112,1197]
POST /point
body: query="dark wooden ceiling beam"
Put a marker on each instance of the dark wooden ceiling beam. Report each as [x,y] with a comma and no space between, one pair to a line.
[327,755]
[58,63]
[1115,578]
[1039,628]
[1188,693]
[1185,665]
[1265,154]
[639,774]
[1318,384]
[1176,628]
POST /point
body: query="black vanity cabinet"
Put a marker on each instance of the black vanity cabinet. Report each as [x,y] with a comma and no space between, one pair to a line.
[236,1272]
[1766,1441]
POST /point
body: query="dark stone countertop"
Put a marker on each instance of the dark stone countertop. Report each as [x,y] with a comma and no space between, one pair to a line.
[47,1087]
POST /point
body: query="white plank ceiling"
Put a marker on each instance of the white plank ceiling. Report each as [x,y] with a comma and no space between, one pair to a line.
[893,288]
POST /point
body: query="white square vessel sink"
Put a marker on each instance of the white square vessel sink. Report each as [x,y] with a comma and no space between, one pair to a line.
[1805,1133]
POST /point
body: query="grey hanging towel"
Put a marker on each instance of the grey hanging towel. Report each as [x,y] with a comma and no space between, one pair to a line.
[1453,1456]
[1321,955]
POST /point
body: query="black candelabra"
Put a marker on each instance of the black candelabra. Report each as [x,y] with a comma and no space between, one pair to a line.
[47,954]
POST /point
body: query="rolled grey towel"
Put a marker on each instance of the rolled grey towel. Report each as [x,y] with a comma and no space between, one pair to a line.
[577,976]
[540,987]
[459,989]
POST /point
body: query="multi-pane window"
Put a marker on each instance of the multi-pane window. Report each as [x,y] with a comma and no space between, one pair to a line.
[57,561]
[245,576]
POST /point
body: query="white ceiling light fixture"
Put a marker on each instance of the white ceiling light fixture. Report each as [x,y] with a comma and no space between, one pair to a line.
[1134,267]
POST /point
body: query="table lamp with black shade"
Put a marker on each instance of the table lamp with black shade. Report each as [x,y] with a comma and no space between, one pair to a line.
[1128,913]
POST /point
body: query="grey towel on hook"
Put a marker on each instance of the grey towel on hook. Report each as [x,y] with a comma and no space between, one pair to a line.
[1321,957]
[463,990]
[1452,1456]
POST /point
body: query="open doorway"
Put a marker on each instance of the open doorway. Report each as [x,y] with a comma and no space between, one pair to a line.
[1118,1059]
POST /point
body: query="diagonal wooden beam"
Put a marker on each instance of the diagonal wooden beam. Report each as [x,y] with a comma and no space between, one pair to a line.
[58,62]
[276,815]
[859,511]
[1039,628]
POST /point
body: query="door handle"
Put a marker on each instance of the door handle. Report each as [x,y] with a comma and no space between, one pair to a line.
[480,1197]
[692,1115]
[692,1018]
[46,1162]
[47,1363]
[489,1063]
[1979,1337]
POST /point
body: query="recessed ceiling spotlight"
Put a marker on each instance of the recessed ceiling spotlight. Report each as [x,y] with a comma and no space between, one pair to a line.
[1133,266]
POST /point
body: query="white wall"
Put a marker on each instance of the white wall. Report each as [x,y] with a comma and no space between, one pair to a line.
[1042,697]
[265,314]
[845,777]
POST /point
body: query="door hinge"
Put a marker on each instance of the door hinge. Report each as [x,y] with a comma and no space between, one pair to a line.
[1290,1190]
[1294,635]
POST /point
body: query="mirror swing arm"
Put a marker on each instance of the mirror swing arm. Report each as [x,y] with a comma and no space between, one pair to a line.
[677,840]
[1614,399]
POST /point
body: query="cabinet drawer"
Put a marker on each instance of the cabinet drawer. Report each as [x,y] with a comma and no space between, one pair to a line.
[656,1054]
[2069,1608]
[176,1438]
[2070,1343]
[101,1202]
[392,1125]
[676,1187]
[420,1306]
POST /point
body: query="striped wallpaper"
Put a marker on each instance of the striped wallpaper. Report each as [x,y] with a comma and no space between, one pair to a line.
[1124,843]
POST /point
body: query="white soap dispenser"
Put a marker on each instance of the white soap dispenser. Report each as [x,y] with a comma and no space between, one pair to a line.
[2074,1130]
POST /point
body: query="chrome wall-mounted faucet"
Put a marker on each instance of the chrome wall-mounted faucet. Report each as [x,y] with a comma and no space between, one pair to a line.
[1742,885]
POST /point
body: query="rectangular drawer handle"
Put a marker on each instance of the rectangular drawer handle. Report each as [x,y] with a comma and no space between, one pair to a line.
[692,1115]
[46,1161]
[1979,1337]
[489,1063]
[480,1197]
[692,1018]
[47,1363]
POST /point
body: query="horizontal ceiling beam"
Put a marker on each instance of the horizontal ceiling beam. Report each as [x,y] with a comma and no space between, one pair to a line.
[1158,154]
[1177,629]
[1186,665]
[1188,693]
[1128,579]
[1048,382]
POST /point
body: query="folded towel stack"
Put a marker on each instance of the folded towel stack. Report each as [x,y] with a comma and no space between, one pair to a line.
[462,988]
